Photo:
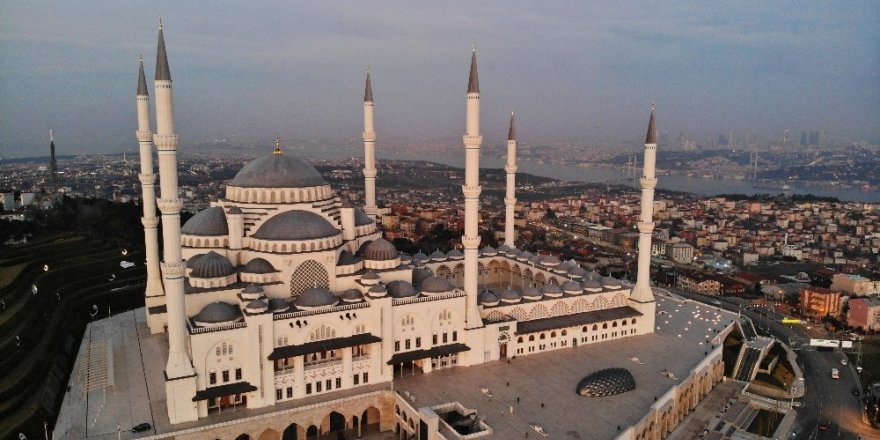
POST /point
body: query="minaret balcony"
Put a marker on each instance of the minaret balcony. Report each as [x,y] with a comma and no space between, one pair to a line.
[470,243]
[147,179]
[370,173]
[173,270]
[150,223]
[472,141]
[648,183]
[471,192]
[646,227]
[510,203]
[510,169]
[369,137]
[169,206]
[144,136]
[166,142]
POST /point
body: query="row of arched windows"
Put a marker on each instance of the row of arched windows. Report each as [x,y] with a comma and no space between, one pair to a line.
[278,196]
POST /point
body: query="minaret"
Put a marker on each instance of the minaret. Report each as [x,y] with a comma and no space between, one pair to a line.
[148,186]
[471,190]
[53,164]
[510,196]
[369,152]
[179,374]
[641,296]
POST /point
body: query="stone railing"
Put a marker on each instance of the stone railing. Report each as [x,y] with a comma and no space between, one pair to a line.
[281,316]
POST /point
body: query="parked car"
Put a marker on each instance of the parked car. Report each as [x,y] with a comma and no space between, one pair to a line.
[141,428]
[823,426]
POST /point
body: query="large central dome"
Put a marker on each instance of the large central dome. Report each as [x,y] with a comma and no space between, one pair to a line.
[277,171]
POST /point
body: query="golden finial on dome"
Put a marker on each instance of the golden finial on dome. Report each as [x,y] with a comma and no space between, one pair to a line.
[277,151]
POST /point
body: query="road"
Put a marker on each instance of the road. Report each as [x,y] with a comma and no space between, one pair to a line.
[826,400]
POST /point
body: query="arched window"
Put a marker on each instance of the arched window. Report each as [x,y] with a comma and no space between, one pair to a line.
[532,338]
[604,325]
[552,334]
[584,329]
[614,324]
[519,340]
[564,333]
[595,326]
[543,336]
[633,322]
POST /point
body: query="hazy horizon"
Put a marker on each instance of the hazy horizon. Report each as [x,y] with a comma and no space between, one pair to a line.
[583,73]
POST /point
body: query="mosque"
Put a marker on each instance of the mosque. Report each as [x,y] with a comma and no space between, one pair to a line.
[281,292]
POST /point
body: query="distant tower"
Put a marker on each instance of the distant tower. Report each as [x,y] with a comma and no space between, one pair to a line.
[641,296]
[786,136]
[53,164]
[369,152]
[471,190]
[753,162]
[510,196]
[148,186]
[180,380]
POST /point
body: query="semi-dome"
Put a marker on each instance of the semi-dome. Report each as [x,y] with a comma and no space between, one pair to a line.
[277,171]
[421,274]
[487,298]
[217,312]
[361,218]
[191,261]
[436,285]
[259,265]
[314,298]
[379,249]
[212,265]
[278,305]
[257,306]
[610,283]
[401,289]
[210,222]
[532,293]
[295,225]
[346,258]
[510,296]
[607,382]
[572,287]
[352,296]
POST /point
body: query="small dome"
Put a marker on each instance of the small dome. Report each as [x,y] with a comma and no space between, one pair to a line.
[532,293]
[488,251]
[572,287]
[551,290]
[549,260]
[592,286]
[504,249]
[405,259]
[191,262]
[277,171]
[259,265]
[535,259]
[278,305]
[421,274]
[361,218]
[257,306]
[455,254]
[346,259]
[437,255]
[314,298]
[379,249]
[352,296]
[420,258]
[577,272]
[593,276]
[369,277]
[401,289]
[363,247]
[569,264]
[436,285]
[212,265]
[210,222]
[607,382]
[610,283]
[510,296]
[377,291]
[252,291]
[487,298]
[295,225]
[525,256]
[217,313]
[234,210]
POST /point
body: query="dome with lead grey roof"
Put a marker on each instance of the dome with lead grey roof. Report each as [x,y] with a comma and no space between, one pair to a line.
[510,296]
[314,298]
[405,259]
[420,257]
[525,256]
[437,255]
[551,290]
[504,249]
[455,254]
[572,287]
[234,210]
[594,276]
[370,277]
[259,265]
[577,272]
[191,261]
[361,218]
[488,251]
[549,260]
[487,298]
[296,225]
[207,222]
[217,312]
[610,283]
[352,296]
[257,306]
[346,259]
[607,382]
[252,291]
[212,265]
[532,293]
[436,285]
[401,289]
[278,305]
[535,259]
[379,249]
[592,285]
[277,171]
[421,274]
[377,291]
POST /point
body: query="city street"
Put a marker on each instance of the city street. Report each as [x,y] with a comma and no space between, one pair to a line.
[826,401]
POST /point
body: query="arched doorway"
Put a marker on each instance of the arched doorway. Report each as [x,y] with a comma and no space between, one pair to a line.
[291,432]
[370,421]
[243,437]
[312,433]
[270,434]
[332,425]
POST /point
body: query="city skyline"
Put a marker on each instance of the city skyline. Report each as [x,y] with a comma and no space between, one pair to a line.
[299,70]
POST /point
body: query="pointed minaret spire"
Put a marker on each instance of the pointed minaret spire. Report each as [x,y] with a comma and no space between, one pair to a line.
[163,72]
[278,151]
[142,80]
[510,194]
[652,131]
[368,89]
[511,133]
[474,81]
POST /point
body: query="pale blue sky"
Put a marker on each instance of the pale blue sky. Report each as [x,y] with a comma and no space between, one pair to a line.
[575,71]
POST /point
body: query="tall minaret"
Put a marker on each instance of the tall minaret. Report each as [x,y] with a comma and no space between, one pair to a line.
[179,369]
[510,196]
[471,190]
[148,185]
[642,296]
[369,152]
[53,164]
